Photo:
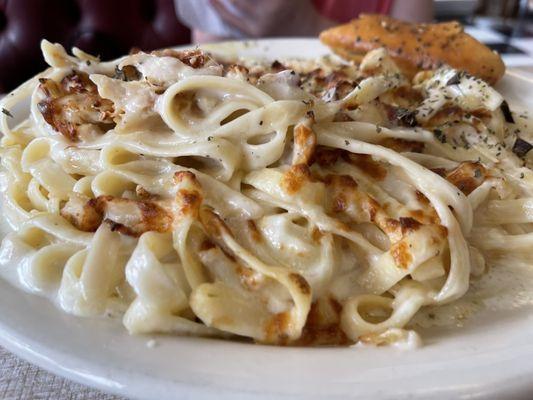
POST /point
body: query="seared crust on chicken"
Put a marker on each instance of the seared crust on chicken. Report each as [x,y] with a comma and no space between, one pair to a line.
[74,108]
[415,47]
[133,217]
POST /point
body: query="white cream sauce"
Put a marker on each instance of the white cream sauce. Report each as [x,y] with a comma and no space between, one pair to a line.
[506,287]
[15,257]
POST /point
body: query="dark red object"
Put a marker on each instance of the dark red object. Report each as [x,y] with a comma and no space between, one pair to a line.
[344,10]
[109,28]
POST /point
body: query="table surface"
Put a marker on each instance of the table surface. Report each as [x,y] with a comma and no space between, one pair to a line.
[20,380]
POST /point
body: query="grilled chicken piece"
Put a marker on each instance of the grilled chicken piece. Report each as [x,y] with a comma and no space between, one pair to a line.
[467,177]
[195,58]
[74,108]
[415,47]
[130,217]
[134,217]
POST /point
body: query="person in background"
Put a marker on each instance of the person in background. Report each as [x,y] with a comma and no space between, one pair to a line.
[214,20]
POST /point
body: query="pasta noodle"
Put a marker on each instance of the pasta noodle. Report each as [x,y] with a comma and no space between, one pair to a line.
[311,203]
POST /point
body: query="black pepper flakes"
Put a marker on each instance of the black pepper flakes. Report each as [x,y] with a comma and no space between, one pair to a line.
[441,137]
[407,117]
[521,147]
[455,79]
[507,114]
[7,112]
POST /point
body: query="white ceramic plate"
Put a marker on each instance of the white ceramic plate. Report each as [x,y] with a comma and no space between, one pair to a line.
[489,356]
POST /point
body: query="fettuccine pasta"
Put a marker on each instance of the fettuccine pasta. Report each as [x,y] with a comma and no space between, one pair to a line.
[303,203]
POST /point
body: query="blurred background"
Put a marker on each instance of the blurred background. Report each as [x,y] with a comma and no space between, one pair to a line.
[110,28]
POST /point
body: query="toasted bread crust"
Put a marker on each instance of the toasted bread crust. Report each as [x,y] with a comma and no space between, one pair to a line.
[415,47]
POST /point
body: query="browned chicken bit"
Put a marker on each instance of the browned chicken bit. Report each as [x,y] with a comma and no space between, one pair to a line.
[74,108]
